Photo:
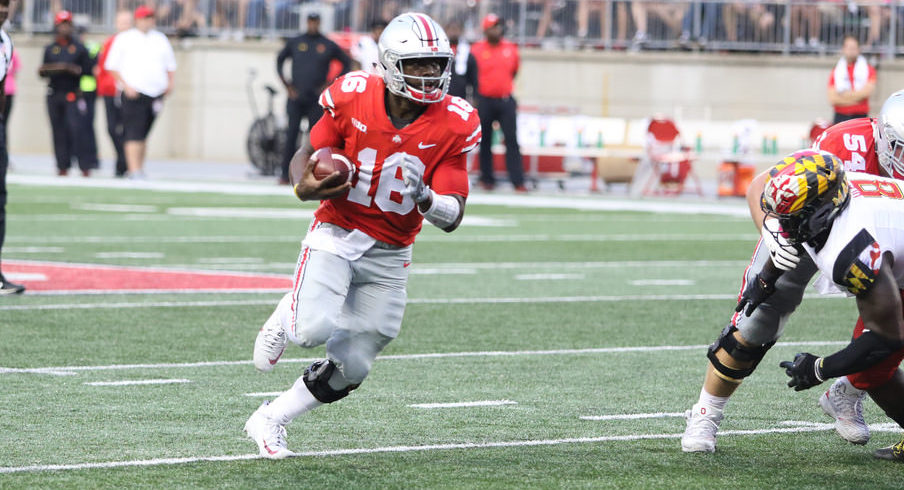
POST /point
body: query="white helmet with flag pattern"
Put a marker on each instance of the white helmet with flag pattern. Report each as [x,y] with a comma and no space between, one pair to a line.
[415,36]
[890,135]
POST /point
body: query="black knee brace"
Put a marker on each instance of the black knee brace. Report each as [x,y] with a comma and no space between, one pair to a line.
[317,377]
[737,351]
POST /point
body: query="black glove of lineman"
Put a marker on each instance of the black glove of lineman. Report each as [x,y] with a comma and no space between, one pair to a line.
[804,371]
[755,293]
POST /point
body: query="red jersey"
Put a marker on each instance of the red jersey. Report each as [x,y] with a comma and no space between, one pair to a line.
[497,66]
[355,120]
[863,106]
[106,84]
[854,143]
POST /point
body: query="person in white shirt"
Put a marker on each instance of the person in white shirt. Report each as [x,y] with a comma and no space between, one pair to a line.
[143,63]
[365,51]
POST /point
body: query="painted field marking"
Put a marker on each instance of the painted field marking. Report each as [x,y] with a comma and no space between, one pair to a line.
[129,255]
[547,277]
[235,212]
[138,382]
[34,250]
[614,264]
[632,416]
[435,271]
[485,403]
[406,449]
[435,355]
[230,260]
[116,208]
[25,276]
[265,394]
[663,282]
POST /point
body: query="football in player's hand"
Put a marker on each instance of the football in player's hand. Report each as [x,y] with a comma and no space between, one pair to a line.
[329,160]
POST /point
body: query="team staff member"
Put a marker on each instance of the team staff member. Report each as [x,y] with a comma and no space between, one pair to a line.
[851,83]
[88,87]
[311,54]
[6,56]
[65,59]
[497,65]
[106,88]
[143,63]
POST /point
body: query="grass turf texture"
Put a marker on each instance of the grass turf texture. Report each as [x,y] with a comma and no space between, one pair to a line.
[49,419]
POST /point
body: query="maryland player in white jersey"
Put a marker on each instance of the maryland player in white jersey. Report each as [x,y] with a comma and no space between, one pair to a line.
[872,145]
[408,140]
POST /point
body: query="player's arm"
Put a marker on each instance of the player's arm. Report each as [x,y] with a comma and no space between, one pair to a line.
[443,206]
[301,168]
[883,334]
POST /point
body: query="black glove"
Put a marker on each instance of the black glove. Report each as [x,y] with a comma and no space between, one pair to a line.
[804,371]
[755,293]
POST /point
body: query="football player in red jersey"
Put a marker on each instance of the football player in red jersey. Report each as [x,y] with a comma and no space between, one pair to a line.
[408,140]
[868,145]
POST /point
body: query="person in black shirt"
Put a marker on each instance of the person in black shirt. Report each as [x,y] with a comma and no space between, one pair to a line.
[65,60]
[311,54]
[6,54]
[464,66]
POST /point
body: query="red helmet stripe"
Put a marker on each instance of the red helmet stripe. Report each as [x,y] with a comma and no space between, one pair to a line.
[425,23]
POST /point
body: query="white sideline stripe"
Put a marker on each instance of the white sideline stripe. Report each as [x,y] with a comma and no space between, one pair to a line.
[26,276]
[547,277]
[652,237]
[230,260]
[435,355]
[406,449]
[663,282]
[632,416]
[485,403]
[129,255]
[34,250]
[264,394]
[619,264]
[411,301]
[116,208]
[138,382]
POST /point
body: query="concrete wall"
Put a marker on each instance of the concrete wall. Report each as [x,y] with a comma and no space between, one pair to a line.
[208,114]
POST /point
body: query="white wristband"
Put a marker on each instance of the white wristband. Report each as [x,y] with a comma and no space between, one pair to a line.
[816,369]
[443,212]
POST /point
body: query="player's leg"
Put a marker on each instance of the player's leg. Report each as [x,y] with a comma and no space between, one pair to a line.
[56,110]
[890,397]
[740,347]
[843,400]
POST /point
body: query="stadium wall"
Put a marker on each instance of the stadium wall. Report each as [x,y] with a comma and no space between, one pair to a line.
[208,115]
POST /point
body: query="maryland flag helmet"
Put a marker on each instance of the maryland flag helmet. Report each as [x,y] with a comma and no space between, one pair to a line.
[805,191]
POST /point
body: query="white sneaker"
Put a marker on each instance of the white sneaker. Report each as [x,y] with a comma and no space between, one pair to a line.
[844,403]
[269,345]
[269,435]
[700,434]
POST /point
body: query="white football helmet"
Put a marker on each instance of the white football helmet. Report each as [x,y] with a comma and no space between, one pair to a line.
[413,36]
[889,133]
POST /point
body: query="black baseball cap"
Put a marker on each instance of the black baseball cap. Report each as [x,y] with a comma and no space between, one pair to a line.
[314,16]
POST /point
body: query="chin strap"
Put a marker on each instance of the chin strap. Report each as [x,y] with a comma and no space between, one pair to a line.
[443,212]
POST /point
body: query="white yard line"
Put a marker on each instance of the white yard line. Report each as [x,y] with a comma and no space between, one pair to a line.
[407,449]
[129,255]
[484,403]
[663,282]
[548,277]
[138,382]
[435,355]
[264,394]
[614,264]
[632,416]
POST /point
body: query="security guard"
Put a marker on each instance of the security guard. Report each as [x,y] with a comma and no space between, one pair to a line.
[65,59]
[311,54]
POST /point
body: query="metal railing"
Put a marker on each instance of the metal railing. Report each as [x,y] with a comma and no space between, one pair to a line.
[793,26]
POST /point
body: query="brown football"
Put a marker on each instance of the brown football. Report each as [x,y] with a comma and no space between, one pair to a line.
[329,160]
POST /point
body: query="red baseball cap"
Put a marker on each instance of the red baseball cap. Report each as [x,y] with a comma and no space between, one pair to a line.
[143,11]
[490,20]
[62,16]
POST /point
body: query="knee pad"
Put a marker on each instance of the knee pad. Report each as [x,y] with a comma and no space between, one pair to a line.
[317,377]
[738,352]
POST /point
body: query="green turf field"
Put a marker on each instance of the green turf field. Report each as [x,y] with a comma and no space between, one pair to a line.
[561,314]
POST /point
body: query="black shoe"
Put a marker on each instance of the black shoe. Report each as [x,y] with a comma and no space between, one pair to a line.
[891,453]
[7,287]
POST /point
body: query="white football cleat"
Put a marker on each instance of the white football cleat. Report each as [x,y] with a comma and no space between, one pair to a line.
[269,345]
[269,435]
[844,403]
[700,434]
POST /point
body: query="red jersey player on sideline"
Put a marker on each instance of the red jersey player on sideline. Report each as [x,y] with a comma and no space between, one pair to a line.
[868,145]
[408,140]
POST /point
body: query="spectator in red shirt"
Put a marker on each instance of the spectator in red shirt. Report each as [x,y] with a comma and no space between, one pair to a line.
[497,65]
[106,88]
[852,83]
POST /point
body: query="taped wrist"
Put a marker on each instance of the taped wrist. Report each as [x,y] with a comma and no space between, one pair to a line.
[863,352]
[443,212]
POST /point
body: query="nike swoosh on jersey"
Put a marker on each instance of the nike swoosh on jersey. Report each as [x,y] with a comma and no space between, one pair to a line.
[424,147]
